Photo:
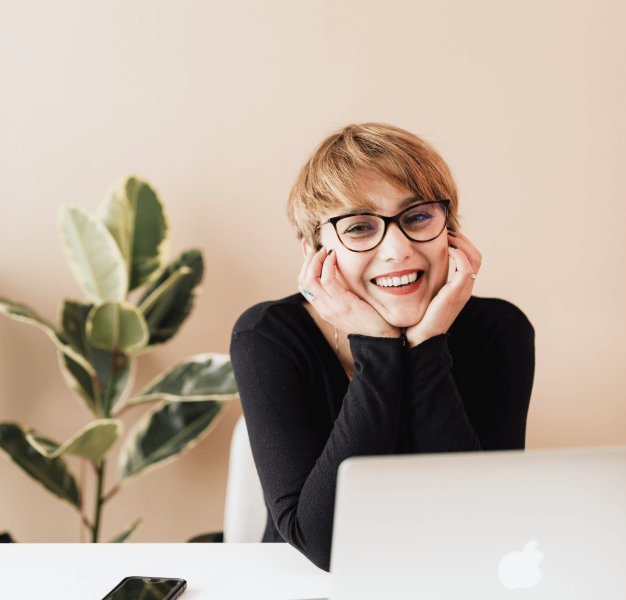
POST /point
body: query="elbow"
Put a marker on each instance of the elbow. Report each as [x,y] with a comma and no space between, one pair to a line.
[312,541]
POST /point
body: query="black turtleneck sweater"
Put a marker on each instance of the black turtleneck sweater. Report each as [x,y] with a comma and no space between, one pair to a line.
[467,390]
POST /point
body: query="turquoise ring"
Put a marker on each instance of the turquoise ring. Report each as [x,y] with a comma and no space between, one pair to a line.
[308,295]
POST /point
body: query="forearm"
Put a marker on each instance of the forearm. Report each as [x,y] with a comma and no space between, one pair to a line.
[296,450]
[433,414]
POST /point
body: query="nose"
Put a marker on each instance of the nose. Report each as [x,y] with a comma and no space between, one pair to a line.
[395,247]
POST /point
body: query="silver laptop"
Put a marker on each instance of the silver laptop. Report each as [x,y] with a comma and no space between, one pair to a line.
[535,524]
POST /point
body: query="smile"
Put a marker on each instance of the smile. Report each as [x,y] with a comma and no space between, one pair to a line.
[399,279]
[399,283]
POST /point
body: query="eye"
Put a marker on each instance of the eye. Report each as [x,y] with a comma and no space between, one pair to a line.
[359,226]
[418,218]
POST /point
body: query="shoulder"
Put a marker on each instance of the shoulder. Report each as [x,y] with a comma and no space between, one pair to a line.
[268,314]
[493,317]
[277,326]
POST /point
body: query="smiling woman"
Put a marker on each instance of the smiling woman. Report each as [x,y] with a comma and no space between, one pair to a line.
[385,355]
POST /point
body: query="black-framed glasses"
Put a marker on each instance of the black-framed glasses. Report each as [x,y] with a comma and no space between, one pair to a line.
[421,222]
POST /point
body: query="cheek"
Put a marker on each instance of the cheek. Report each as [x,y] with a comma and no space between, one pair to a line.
[440,265]
[350,273]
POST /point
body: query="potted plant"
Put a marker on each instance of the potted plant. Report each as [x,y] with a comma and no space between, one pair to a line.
[123,248]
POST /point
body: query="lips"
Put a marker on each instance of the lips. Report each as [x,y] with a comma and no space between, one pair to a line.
[397,278]
[399,283]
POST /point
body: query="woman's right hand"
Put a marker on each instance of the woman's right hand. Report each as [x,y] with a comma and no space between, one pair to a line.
[340,307]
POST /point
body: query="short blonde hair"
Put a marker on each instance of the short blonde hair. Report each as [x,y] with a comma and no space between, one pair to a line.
[331,178]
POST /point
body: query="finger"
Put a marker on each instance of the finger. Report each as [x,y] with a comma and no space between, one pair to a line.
[329,270]
[329,279]
[311,280]
[305,266]
[464,270]
[461,241]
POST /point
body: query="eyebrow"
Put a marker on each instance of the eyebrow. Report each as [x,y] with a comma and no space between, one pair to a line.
[415,199]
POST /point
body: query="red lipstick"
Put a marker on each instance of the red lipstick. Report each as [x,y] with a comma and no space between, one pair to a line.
[397,273]
[405,289]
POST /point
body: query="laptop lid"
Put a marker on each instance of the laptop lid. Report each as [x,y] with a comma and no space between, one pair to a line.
[536,524]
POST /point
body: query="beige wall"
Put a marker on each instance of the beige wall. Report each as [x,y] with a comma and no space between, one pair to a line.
[218,104]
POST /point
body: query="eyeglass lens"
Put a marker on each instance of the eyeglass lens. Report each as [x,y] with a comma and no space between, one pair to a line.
[363,232]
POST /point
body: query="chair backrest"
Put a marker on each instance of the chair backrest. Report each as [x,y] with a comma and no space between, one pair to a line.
[245,513]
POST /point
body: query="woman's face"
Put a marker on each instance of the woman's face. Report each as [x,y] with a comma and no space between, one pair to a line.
[396,255]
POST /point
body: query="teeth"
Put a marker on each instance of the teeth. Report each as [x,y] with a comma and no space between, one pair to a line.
[396,281]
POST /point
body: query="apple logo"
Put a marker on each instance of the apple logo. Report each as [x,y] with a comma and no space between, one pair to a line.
[520,569]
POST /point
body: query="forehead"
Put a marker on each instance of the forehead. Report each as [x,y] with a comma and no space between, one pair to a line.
[380,195]
[386,205]
[374,194]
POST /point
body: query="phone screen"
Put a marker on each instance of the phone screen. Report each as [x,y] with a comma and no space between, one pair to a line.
[147,588]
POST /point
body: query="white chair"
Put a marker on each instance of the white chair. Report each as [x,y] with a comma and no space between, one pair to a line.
[245,514]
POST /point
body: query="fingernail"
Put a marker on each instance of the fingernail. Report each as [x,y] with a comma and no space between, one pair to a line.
[330,252]
[451,246]
[451,234]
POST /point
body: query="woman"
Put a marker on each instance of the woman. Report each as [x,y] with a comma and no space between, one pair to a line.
[384,356]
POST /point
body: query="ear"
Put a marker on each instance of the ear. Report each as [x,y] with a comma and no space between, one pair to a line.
[305,248]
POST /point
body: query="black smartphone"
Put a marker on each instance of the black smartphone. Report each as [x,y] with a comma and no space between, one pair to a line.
[147,588]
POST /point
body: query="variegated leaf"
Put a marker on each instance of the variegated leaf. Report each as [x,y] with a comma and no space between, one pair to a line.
[92,442]
[169,300]
[117,326]
[92,391]
[165,433]
[93,255]
[202,377]
[52,473]
[21,312]
[135,216]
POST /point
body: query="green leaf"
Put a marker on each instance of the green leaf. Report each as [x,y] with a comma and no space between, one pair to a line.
[92,442]
[135,216]
[6,538]
[169,300]
[164,289]
[118,216]
[117,325]
[52,473]
[165,433]
[202,377]
[74,319]
[93,255]
[21,312]
[122,537]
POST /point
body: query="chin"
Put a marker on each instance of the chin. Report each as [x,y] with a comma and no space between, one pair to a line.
[404,318]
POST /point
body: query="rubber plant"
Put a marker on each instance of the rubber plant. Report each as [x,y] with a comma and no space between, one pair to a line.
[123,248]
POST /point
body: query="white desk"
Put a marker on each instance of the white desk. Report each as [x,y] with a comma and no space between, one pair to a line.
[212,571]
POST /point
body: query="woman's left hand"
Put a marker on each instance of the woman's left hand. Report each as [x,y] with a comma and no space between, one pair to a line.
[447,304]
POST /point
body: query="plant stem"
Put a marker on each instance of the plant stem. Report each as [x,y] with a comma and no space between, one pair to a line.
[110,494]
[81,488]
[99,501]
[116,369]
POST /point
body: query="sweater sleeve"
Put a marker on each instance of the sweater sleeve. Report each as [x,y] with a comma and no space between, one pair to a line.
[296,460]
[434,418]
[497,383]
